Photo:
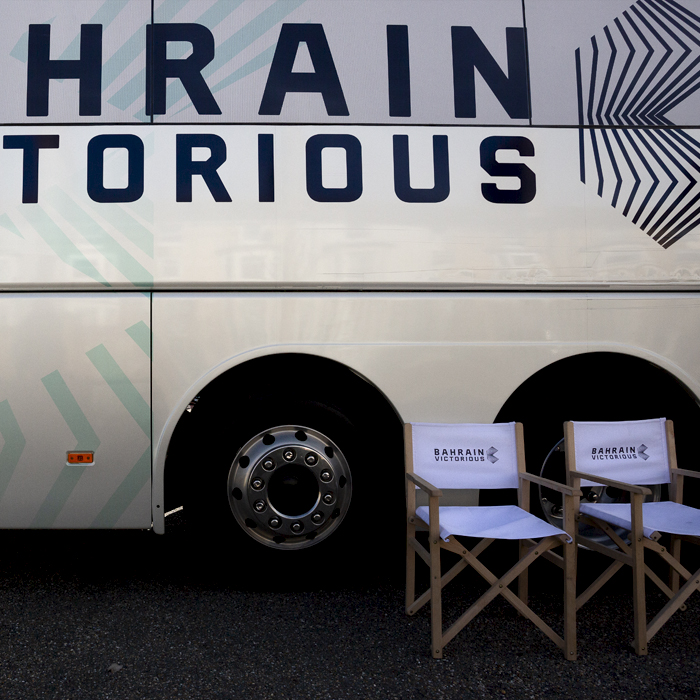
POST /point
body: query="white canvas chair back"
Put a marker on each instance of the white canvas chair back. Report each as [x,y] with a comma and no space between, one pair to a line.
[480,456]
[629,456]
[466,455]
[635,452]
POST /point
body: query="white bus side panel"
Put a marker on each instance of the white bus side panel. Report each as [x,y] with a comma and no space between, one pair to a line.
[488,345]
[75,376]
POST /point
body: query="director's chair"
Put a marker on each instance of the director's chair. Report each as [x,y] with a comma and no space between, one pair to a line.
[629,456]
[469,456]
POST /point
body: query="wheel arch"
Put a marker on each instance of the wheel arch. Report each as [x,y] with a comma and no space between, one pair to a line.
[633,386]
[259,360]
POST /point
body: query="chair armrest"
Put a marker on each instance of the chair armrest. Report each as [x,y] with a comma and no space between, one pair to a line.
[685,472]
[631,488]
[424,485]
[554,485]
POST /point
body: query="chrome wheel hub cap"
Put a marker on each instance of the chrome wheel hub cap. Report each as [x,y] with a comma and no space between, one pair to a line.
[289,487]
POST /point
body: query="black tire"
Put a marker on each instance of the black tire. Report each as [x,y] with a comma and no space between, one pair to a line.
[342,408]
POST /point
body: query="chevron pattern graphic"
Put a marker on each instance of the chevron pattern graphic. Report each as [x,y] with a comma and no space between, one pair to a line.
[640,68]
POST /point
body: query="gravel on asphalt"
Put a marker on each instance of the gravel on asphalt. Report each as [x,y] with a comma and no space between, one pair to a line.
[133,615]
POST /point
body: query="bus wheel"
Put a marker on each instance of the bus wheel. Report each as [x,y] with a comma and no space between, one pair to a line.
[290,477]
[289,487]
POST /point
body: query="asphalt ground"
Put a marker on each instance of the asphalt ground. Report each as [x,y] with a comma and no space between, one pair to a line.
[173,618]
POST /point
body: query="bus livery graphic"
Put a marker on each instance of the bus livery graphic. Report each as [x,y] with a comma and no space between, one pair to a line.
[643,65]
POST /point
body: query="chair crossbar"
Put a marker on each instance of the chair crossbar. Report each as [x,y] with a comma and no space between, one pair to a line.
[446,578]
[691,585]
[549,555]
[598,583]
[624,556]
[602,549]
[500,587]
[420,550]
[671,561]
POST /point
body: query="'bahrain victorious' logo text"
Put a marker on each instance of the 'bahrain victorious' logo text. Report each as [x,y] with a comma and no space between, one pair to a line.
[635,71]
[467,454]
[622,452]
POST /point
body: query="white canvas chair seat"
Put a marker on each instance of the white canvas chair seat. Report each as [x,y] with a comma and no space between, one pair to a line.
[661,517]
[625,456]
[477,457]
[497,522]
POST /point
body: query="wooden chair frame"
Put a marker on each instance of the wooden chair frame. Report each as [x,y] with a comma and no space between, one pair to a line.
[529,550]
[632,553]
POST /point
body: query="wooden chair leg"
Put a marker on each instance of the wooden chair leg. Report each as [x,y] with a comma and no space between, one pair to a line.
[435,599]
[569,555]
[675,551]
[638,576]
[523,578]
[410,567]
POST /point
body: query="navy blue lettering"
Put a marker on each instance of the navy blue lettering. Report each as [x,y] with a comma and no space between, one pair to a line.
[187,70]
[87,69]
[95,168]
[441,170]
[399,70]
[266,168]
[469,55]
[282,79]
[488,149]
[30,164]
[314,168]
[186,168]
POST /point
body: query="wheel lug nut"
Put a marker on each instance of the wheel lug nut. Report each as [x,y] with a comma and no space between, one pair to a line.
[296,527]
[317,518]
[268,465]
[328,498]
[311,459]
[257,484]
[289,455]
[274,523]
[260,506]
[326,476]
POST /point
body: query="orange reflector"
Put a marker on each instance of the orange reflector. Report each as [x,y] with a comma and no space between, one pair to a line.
[81,457]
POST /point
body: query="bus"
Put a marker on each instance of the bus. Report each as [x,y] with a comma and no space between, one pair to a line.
[243,241]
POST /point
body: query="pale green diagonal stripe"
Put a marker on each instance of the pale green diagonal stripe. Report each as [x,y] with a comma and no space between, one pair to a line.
[70,410]
[141,334]
[104,16]
[57,497]
[119,383]
[136,87]
[256,63]
[122,498]
[60,243]
[99,238]
[238,42]
[20,51]
[251,32]
[127,225]
[117,63]
[144,207]
[15,443]
[167,10]
[218,12]
[87,439]
[6,222]
[130,92]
